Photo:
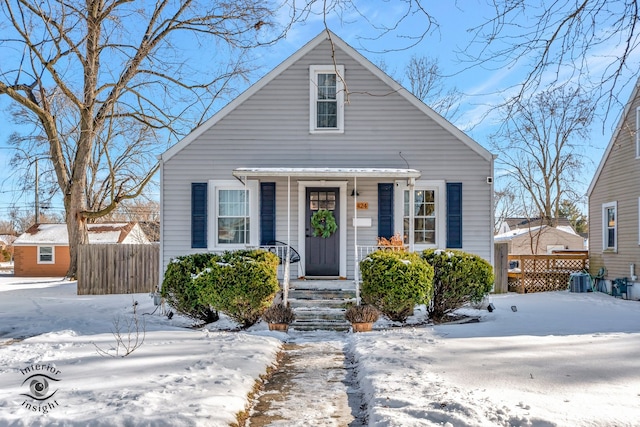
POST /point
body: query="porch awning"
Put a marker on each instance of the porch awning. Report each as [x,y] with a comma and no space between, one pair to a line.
[328,172]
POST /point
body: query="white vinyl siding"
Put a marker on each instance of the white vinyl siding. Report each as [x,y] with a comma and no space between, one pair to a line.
[327,98]
[271,129]
[46,255]
[610,226]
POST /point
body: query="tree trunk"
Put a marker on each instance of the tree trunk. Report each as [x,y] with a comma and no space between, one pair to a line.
[76,226]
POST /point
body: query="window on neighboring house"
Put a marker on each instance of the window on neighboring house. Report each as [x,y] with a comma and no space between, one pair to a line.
[235,219]
[327,98]
[610,226]
[427,229]
[45,255]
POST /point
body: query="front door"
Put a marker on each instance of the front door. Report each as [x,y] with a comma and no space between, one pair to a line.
[322,255]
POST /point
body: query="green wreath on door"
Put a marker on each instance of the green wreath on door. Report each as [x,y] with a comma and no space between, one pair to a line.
[323,223]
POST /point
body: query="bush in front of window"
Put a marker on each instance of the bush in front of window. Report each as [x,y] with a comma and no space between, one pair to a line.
[242,284]
[179,291]
[459,278]
[395,282]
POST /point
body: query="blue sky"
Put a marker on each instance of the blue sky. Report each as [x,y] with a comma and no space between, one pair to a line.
[482,86]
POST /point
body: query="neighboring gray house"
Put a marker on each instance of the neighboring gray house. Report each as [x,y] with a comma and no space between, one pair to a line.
[326,129]
[614,202]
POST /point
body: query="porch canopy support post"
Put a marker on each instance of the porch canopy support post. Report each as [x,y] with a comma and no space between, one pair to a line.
[356,263]
[287,264]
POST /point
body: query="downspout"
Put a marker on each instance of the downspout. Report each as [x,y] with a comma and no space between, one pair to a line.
[161,254]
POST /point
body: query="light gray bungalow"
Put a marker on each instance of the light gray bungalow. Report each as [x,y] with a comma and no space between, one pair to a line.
[326,130]
[614,203]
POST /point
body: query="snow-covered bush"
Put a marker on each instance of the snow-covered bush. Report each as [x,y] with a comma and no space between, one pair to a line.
[279,313]
[241,284]
[362,314]
[395,282]
[459,278]
[179,291]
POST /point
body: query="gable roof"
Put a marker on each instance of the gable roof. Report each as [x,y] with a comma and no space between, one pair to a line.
[346,48]
[614,137]
[57,234]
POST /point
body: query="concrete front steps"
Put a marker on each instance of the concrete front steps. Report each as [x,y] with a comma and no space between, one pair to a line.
[321,304]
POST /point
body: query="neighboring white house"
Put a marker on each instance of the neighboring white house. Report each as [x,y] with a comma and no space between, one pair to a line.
[326,129]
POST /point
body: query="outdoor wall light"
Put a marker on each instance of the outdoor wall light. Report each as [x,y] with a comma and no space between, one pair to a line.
[355,193]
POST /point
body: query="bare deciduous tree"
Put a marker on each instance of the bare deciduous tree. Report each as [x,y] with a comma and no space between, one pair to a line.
[426,82]
[539,145]
[588,42]
[113,63]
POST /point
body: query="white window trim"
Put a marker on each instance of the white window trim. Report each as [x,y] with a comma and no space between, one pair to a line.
[254,214]
[53,254]
[606,206]
[441,220]
[314,70]
[637,132]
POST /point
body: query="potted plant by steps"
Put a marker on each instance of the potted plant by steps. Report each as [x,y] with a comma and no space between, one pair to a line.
[278,316]
[362,317]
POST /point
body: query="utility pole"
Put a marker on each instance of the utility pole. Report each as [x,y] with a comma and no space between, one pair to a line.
[37,201]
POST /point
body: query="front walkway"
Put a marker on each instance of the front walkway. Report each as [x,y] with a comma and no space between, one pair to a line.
[315,385]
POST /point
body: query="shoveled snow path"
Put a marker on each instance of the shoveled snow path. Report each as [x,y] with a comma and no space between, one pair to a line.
[314,385]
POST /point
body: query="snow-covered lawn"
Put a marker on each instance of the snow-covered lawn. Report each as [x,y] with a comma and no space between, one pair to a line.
[560,359]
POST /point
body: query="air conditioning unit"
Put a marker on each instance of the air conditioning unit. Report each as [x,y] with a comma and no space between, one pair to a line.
[579,282]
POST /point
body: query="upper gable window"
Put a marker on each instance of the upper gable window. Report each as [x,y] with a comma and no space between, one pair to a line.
[327,98]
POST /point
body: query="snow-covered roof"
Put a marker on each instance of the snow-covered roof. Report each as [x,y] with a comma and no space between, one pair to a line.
[7,239]
[513,233]
[57,234]
[329,172]
[503,237]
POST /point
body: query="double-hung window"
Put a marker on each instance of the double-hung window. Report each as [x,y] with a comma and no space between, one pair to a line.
[327,98]
[423,227]
[46,255]
[234,222]
[421,210]
[235,214]
[610,226]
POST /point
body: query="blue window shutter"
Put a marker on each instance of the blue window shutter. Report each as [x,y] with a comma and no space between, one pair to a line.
[385,210]
[454,215]
[267,212]
[198,214]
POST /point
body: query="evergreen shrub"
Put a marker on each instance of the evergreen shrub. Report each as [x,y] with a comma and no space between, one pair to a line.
[242,284]
[395,282]
[179,291]
[459,278]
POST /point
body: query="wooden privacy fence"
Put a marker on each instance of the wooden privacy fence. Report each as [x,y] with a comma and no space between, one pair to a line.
[539,273]
[118,269]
